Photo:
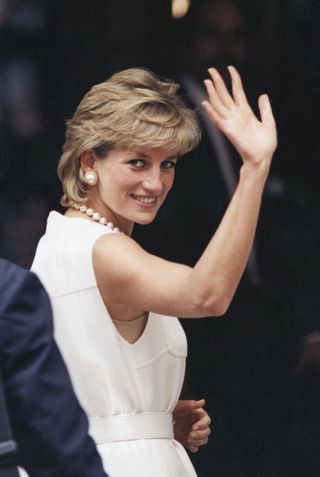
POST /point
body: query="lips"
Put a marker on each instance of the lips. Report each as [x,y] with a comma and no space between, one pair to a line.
[144,200]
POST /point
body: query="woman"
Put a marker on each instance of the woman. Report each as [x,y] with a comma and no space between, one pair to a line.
[114,304]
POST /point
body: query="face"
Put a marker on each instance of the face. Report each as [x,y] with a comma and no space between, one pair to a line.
[134,183]
[220,38]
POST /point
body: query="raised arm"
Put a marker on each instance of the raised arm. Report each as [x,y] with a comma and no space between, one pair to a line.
[128,275]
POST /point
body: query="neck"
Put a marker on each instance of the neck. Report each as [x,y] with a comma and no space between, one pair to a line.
[97,205]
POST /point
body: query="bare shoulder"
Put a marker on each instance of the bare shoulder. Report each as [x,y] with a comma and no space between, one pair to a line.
[117,259]
[117,249]
[127,274]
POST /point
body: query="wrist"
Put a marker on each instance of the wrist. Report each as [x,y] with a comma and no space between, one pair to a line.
[258,171]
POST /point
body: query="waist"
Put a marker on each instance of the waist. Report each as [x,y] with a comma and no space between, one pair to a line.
[126,427]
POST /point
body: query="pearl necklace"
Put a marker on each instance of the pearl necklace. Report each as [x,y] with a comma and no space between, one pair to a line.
[95,216]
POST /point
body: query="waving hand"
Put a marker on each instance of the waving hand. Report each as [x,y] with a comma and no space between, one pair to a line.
[255,139]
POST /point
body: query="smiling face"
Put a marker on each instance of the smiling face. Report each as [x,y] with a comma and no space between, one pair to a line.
[134,111]
[132,184]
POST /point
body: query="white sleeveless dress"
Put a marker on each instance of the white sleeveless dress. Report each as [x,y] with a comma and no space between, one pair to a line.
[127,390]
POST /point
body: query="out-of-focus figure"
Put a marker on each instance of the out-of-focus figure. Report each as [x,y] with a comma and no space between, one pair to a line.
[20,92]
[22,125]
[240,365]
[218,37]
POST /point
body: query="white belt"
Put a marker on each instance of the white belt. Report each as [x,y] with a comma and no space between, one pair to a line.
[126,427]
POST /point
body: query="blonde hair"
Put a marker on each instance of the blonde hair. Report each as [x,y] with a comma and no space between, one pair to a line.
[133,108]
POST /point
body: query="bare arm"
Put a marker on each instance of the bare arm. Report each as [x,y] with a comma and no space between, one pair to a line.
[128,275]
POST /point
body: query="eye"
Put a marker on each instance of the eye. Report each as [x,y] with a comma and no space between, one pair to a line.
[168,164]
[137,163]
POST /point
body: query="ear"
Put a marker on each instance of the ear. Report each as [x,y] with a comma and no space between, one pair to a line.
[87,160]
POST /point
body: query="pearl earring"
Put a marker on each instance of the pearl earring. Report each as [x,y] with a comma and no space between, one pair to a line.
[91,177]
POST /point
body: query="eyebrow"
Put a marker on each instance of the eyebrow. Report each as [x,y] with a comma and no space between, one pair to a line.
[146,156]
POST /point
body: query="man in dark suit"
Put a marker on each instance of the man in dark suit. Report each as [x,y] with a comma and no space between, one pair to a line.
[48,424]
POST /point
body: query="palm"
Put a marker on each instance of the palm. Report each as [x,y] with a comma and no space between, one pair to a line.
[254,139]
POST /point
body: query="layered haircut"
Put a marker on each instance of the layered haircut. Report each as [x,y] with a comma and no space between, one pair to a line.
[132,109]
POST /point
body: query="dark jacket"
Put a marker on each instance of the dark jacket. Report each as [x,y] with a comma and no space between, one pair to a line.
[48,424]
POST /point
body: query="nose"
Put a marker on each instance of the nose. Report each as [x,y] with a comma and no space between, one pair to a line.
[152,182]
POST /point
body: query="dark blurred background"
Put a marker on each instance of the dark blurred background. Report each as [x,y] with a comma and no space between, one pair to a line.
[259,366]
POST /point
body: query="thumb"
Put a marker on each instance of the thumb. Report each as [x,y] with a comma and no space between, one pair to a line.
[265,109]
[187,405]
[198,404]
[191,404]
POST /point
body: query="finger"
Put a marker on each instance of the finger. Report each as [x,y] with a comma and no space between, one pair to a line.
[196,404]
[221,88]
[193,444]
[201,442]
[202,423]
[187,405]
[237,87]
[265,109]
[214,99]
[193,449]
[205,441]
[199,436]
[200,402]
[212,113]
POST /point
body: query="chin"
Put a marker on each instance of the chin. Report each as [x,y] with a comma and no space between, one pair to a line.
[145,220]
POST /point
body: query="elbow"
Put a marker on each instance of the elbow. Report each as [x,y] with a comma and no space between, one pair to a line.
[210,299]
[213,306]
[218,307]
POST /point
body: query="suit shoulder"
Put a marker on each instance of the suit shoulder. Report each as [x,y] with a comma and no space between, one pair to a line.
[12,273]
[14,280]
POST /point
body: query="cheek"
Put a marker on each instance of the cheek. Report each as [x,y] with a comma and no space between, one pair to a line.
[169,182]
[119,183]
[126,184]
